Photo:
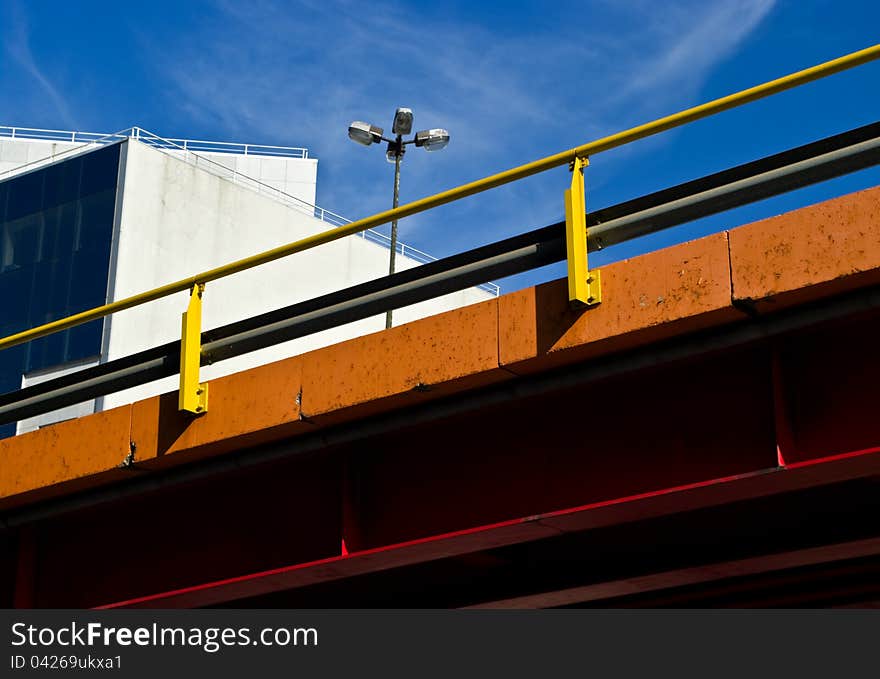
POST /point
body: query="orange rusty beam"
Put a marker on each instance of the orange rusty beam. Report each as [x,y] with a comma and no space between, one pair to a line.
[817,251]
[798,257]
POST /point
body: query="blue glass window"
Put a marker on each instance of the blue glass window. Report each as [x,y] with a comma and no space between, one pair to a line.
[56,226]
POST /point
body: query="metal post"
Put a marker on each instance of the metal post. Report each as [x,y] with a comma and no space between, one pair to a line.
[193,395]
[584,286]
[394,223]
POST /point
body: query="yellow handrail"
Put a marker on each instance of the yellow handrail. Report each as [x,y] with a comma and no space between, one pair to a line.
[556,160]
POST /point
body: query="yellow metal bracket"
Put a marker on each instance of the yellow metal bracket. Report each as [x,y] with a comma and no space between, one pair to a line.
[584,286]
[193,396]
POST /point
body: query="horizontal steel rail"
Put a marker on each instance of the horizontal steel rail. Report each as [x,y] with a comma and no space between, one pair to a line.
[824,159]
[415,207]
[802,166]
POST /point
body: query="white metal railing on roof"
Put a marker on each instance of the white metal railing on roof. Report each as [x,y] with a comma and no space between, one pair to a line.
[186,149]
[83,141]
[72,136]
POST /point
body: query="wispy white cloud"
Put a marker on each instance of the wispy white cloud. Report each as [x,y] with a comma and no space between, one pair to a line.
[16,39]
[690,40]
[279,74]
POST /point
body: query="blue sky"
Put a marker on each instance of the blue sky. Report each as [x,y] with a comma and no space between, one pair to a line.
[511,81]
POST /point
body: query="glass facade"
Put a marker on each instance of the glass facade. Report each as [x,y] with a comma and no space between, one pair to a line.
[56,226]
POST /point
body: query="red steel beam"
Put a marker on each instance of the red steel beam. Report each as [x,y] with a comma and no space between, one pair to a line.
[766,563]
[715,492]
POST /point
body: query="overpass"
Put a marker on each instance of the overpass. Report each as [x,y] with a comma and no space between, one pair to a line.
[694,426]
[708,435]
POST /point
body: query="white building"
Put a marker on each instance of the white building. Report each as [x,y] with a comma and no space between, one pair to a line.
[109,217]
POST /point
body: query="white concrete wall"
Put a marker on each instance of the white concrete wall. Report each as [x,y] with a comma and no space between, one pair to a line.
[24,155]
[296,177]
[68,413]
[175,221]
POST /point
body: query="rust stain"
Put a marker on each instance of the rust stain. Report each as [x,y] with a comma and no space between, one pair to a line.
[809,253]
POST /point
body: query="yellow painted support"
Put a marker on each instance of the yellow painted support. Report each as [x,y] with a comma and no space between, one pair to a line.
[584,286]
[193,396]
[556,160]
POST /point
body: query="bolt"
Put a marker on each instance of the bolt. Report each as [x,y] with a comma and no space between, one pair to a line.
[128,460]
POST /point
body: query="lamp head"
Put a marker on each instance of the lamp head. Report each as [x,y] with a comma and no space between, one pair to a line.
[403,118]
[364,133]
[394,150]
[432,140]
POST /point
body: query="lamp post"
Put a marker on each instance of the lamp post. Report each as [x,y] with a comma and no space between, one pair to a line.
[430,140]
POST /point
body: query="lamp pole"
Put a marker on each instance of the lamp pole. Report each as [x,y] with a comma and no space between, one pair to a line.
[430,140]
[397,158]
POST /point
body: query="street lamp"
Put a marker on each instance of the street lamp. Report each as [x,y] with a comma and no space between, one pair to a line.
[430,140]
